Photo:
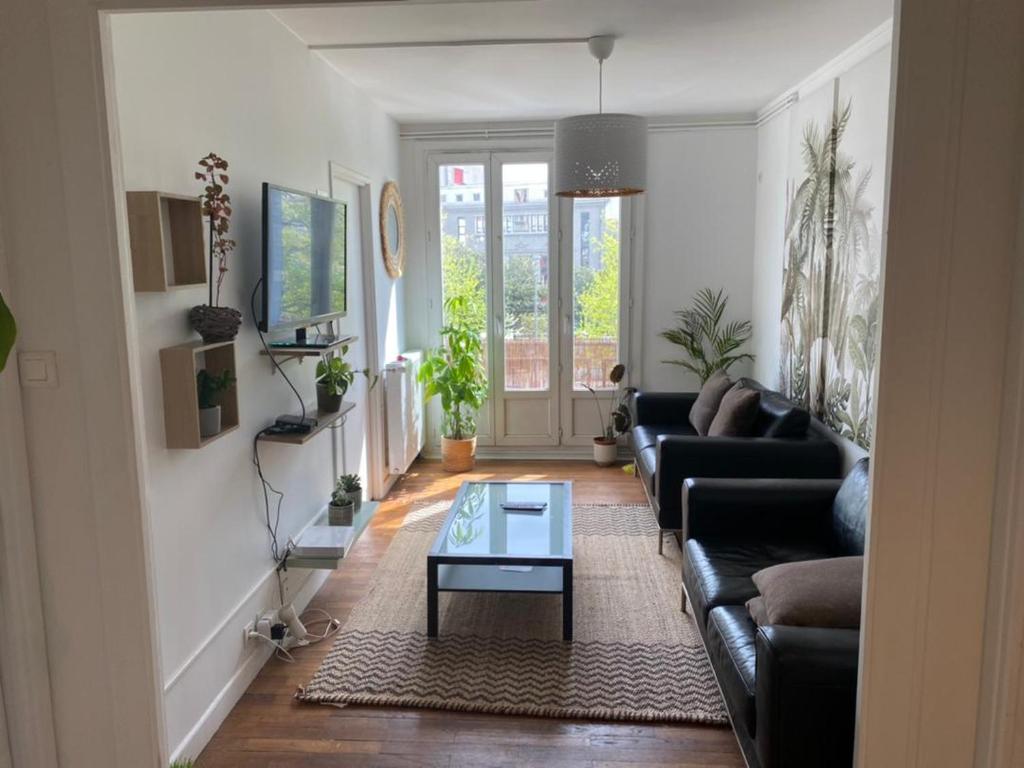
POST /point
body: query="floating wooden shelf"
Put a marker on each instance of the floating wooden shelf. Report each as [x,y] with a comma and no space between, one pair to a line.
[179,366]
[360,520]
[166,233]
[303,352]
[324,419]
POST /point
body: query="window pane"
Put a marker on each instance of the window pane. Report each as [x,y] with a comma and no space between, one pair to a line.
[525,245]
[464,247]
[595,270]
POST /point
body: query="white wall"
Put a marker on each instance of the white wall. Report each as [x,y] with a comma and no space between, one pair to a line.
[699,233]
[277,113]
[772,165]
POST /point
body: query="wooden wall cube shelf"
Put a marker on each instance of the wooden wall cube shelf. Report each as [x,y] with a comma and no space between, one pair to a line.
[179,366]
[166,233]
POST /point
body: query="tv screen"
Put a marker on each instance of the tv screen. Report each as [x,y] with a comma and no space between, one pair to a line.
[304,258]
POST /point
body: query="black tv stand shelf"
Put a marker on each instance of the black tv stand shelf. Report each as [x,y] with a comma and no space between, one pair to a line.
[324,419]
[300,353]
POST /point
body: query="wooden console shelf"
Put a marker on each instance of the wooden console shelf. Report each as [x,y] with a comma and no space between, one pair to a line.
[324,420]
[179,366]
[166,233]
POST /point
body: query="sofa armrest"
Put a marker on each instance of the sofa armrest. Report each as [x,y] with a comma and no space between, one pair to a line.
[662,407]
[761,509]
[683,456]
[806,696]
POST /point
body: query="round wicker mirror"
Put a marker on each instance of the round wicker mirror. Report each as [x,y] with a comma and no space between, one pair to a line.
[392,229]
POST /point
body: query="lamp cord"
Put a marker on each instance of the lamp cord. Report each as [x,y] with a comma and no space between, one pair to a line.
[600,86]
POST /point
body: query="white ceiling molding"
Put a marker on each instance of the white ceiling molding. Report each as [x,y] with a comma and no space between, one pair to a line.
[871,43]
[543,129]
[448,43]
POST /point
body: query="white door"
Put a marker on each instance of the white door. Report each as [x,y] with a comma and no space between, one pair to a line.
[544,282]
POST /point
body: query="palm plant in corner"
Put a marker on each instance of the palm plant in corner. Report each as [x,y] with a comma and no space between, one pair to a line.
[212,321]
[708,345]
[455,373]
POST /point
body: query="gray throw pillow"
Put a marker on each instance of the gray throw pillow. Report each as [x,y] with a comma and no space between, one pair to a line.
[736,413]
[706,405]
[811,593]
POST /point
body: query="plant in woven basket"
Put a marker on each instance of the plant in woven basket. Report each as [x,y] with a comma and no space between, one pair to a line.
[212,321]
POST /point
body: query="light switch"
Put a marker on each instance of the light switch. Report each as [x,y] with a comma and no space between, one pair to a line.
[38,369]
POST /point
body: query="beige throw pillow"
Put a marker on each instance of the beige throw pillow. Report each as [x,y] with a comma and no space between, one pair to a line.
[811,593]
[706,405]
[736,413]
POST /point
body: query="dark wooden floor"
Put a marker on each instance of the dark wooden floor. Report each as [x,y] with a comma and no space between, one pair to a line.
[268,728]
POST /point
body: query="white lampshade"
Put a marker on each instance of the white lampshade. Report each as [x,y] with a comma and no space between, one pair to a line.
[600,155]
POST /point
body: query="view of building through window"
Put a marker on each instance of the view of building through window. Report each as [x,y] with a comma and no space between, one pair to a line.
[526,261]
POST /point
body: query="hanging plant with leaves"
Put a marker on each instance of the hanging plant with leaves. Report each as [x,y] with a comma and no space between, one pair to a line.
[8,332]
[217,208]
[709,345]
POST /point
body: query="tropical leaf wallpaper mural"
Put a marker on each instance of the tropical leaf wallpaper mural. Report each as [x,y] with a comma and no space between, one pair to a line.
[830,298]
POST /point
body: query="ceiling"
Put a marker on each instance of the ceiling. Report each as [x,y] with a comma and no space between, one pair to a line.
[672,57]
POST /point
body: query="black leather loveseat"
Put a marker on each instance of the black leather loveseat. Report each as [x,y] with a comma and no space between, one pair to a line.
[786,442]
[790,690]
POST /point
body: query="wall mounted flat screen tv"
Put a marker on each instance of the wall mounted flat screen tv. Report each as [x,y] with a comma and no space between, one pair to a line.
[304,259]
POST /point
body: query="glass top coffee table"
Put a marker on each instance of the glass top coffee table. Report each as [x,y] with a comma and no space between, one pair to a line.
[493,541]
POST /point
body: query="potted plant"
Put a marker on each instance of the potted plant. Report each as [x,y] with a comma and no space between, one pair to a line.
[455,372]
[208,386]
[212,321]
[8,331]
[709,345]
[333,378]
[342,506]
[350,487]
[606,446]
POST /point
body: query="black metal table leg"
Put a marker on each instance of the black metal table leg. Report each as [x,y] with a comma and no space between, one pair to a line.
[567,602]
[431,597]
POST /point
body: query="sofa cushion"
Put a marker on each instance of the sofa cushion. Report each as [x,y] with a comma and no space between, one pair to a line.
[812,593]
[719,573]
[732,651]
[736,413]
[850,510]
[706,406]
[646,435]
[777,415]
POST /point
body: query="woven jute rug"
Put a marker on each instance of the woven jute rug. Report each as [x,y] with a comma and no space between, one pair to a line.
[635,656]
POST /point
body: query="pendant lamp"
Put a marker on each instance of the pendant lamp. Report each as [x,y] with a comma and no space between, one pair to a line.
[603,154]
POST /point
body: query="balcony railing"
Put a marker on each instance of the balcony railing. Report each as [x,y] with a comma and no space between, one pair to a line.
[526,363]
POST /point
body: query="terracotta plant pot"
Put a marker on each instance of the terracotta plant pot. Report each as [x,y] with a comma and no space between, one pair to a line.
[606,451]
[327,402]
[215,324]
[209,421]
[458,455]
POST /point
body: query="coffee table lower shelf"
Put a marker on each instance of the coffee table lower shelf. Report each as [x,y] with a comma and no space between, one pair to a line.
[489,577]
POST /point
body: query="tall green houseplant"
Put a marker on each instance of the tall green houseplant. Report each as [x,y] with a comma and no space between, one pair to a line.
[8,331]
[455,372]
[708,345]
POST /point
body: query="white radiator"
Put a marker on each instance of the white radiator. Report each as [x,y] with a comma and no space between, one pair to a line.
[403,396]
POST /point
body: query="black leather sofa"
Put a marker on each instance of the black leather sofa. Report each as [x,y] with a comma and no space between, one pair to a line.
[791,691]
[667,449]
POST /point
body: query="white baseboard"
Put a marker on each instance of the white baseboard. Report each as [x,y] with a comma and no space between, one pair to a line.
[215,653]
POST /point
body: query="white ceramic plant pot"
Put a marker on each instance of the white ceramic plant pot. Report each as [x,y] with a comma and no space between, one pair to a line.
[209,421]
[606,451]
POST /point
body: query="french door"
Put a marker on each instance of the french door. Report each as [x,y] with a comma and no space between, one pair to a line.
[540,278]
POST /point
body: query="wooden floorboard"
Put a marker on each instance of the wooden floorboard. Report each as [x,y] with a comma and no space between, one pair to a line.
[269,728]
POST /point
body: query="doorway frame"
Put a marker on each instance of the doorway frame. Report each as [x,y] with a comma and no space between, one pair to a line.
[58,49]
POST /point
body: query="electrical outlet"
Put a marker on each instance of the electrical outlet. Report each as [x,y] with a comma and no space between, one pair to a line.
[247,630]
